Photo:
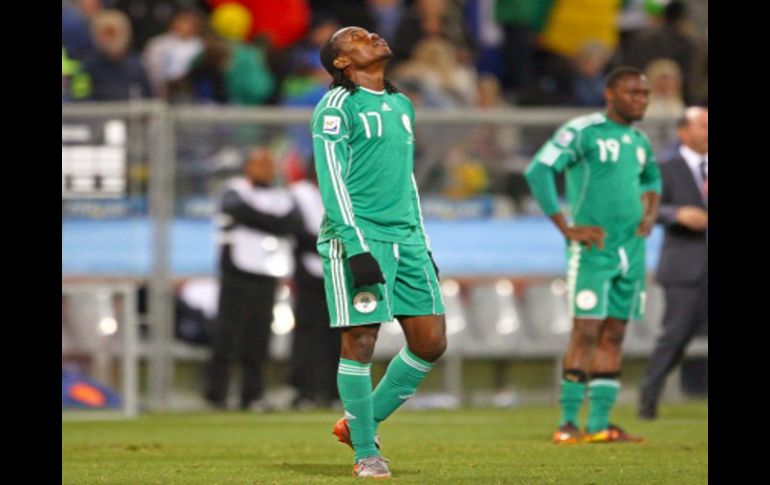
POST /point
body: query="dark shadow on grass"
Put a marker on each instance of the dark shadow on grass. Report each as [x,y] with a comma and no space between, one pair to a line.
[330,470]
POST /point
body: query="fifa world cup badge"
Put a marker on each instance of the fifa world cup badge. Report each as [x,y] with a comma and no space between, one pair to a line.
[331,125]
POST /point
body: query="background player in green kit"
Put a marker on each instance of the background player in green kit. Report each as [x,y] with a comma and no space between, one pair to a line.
[613,189]
[376,255]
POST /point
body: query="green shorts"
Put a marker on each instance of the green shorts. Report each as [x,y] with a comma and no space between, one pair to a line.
[607,283]
[411,287]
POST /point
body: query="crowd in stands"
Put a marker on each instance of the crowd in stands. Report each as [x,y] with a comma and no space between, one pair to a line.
[446,53]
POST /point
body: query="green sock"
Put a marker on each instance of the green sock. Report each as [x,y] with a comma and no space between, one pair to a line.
[405,372]
[354,382]
[571,399]
[602,394]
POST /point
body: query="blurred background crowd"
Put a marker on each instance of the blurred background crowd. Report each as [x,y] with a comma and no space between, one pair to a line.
[449,53]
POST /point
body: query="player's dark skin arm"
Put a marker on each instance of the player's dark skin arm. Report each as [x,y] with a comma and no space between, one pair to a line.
[542,182]
[588,235]
[651,201]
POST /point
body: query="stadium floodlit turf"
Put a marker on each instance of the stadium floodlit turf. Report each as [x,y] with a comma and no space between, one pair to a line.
[465,446]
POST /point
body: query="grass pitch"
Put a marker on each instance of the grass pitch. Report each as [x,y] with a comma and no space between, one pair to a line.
[442,447]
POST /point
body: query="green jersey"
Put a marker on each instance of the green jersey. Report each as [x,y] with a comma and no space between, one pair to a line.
[608,167]
[363,145]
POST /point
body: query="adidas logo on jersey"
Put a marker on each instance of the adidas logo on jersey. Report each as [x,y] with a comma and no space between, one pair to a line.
[385,107]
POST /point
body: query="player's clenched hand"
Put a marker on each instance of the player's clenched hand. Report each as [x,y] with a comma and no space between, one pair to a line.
[692,217]
[588,235]
[365,270]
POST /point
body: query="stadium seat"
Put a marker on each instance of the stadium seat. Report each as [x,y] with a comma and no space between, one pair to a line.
[88,322]
[495,325]
[457,328]
[548,321]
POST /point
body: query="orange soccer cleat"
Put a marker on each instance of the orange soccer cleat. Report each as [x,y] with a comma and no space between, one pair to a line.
[612,434]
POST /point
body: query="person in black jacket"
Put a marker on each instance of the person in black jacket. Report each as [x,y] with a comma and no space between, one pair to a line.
[255,223]
[683,265]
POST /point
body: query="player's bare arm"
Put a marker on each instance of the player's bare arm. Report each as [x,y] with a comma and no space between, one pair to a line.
[588,235]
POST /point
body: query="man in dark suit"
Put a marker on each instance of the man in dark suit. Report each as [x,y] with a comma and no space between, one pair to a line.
[683,265]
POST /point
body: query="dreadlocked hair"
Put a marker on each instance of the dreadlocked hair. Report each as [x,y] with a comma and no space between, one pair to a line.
[389,87]
[328,53]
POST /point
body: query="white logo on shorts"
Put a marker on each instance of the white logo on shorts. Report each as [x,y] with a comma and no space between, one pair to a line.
[365,302]
[586,299]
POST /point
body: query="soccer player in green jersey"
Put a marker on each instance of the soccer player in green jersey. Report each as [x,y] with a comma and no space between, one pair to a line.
[376,256]
[613,189]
